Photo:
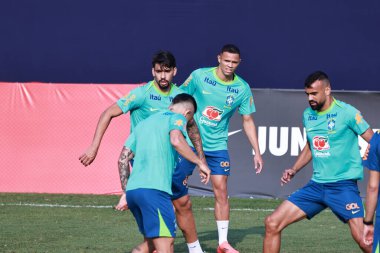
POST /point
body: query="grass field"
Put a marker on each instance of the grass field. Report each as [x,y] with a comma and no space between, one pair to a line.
[87,223]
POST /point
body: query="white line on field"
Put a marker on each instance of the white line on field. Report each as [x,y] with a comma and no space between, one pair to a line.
[105,207]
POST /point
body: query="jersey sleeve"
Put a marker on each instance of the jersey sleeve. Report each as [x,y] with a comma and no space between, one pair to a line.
[131,142]
[133,100]
[189,86]
[178,122]
[355,120]
[248,104]
[371,159]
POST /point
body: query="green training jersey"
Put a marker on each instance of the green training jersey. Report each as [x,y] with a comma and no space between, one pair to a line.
[217,101]
[155,157]
[333,137]
[145,101]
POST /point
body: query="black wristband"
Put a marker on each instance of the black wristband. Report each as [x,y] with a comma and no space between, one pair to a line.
[368,223]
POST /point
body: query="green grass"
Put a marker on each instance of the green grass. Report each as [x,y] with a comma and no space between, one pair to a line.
[81,227]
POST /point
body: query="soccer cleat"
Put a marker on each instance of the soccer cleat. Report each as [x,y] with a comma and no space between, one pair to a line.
[225,247]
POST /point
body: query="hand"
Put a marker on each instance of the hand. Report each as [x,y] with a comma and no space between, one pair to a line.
[204,172]
[122,205]
[258,161]
[287,175]
[89,156]
[368,235]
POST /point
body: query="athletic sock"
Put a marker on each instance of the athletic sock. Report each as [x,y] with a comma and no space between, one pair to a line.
[195,247]
[222,230]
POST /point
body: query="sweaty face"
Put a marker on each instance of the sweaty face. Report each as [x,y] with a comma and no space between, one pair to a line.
[163,76]
[228,62]
[317,95]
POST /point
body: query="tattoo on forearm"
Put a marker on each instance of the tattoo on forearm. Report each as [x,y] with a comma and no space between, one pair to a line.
[124,168]
[195,137]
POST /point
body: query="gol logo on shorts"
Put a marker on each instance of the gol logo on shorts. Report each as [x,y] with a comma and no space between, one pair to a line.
[352,206]
[224,164]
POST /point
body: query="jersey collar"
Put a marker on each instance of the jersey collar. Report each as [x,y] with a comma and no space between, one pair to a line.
[159,91]
[335,102]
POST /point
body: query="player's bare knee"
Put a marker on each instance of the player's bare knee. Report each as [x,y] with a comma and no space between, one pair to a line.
[183,204]
[271,224]
[221,197]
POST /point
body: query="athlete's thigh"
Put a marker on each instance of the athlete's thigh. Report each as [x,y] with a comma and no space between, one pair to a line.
[309,199]
[287,213]
[219,183]
[343,198]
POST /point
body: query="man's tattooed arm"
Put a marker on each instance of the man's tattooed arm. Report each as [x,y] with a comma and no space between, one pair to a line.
[195,137]
[124,170]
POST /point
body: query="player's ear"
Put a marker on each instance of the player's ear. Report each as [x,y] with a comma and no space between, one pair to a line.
[328,90]
[218,58]
[174,71]
[153,72]
[189,114]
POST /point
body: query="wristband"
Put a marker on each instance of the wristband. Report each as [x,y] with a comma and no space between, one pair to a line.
[368,223]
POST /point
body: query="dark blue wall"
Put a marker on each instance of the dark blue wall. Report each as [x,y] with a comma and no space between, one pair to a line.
[113,41]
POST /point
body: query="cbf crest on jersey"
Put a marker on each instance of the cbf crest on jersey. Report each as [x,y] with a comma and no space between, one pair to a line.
[229,101]
[331,124]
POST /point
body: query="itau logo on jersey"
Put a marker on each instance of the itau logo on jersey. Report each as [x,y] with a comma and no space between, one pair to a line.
[321,143]
[212,113]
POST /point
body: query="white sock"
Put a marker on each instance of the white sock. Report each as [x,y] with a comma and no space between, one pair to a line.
[195,247]
[222,230]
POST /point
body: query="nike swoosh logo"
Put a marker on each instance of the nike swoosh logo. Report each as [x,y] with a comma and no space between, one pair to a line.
[206,92]
[154,109]
[354,212]
[234,132]
[309,129]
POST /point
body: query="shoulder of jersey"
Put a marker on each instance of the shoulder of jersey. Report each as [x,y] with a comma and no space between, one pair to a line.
[146,87]
[345,107]
[241,80]
[308,111]
[203,70]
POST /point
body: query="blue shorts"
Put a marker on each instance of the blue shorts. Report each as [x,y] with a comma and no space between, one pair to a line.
[376,236]
[342,197]
[153,212]
[218,162]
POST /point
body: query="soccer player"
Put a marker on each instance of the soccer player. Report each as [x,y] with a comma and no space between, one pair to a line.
[371,160]
[219,92]
[149,188]
[143,102]
[332,129]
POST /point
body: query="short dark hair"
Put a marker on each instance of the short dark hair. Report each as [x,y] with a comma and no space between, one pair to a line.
[316,76]
[230,48]
[184,97]
[164,58]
